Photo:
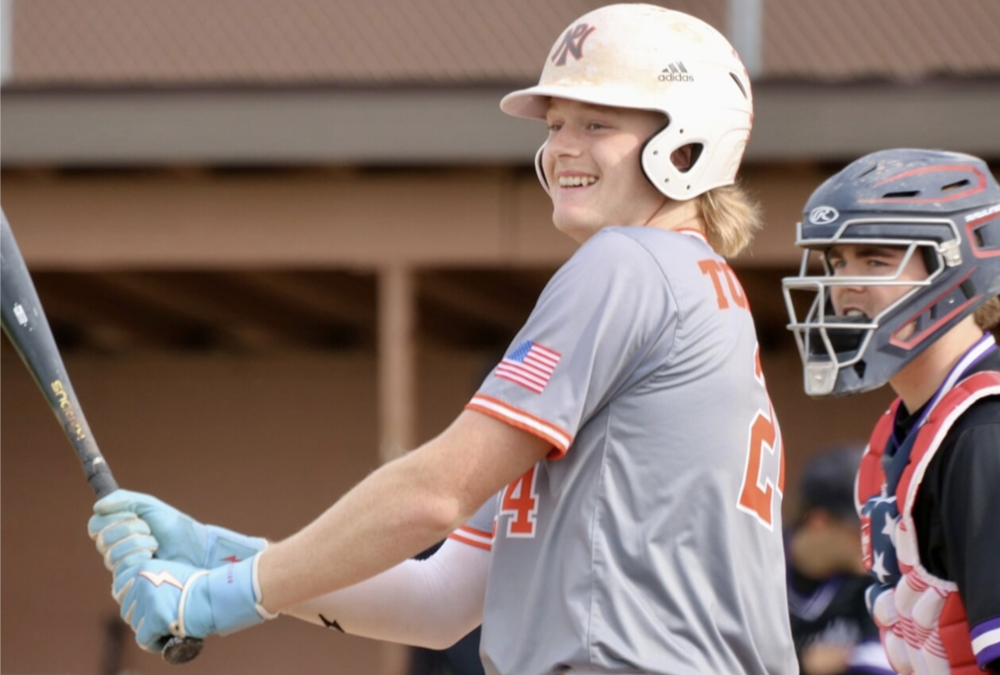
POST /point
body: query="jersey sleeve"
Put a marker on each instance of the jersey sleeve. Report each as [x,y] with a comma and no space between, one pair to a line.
[970,511]
[593,326]
[478,531]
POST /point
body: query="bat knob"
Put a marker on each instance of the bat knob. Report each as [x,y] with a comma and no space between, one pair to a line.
[181,650]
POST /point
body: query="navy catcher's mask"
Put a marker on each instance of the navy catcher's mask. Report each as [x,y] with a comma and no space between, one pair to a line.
[943,206]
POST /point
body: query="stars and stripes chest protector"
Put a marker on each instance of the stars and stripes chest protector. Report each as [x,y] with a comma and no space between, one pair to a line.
[921,617]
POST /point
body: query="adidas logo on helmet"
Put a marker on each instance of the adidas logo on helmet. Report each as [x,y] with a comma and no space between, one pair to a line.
[675,72]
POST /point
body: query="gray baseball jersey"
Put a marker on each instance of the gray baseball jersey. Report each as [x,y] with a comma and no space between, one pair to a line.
[650,538]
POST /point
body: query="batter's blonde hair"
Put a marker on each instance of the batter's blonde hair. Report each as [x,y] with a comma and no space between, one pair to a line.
[732,217]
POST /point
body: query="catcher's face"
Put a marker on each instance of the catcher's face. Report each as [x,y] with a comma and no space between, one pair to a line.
[591,163]
[878,262]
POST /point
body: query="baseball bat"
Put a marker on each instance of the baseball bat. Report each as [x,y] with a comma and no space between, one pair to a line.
[26,326]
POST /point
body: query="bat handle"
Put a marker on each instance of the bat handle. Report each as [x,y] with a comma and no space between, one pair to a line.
[99,476]
[181,650]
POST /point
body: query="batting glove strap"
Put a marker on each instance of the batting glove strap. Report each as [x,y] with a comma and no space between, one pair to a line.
[234,595]
[225,546]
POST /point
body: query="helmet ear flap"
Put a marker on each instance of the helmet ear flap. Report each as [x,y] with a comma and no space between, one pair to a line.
[539,171]
[716,158]
[657,163]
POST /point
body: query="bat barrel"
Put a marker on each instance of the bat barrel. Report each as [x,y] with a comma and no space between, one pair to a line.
[27,327]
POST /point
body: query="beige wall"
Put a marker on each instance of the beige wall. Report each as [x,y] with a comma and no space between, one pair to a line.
[260,445]
[333,218]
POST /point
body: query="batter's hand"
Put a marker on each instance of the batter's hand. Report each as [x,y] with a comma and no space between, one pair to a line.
[129,527]
[160,599]
[122,539]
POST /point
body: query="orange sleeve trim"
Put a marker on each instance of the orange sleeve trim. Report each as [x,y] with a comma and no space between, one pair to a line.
[481,533]
[525,421]
[470,542]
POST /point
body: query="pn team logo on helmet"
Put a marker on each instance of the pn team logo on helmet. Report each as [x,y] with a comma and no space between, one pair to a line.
[823,215]
[675,72]
[572,43]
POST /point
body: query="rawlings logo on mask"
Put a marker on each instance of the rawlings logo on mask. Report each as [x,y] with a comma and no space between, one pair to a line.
[823,215]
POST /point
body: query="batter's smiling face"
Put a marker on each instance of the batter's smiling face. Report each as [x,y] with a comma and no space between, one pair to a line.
[591,163]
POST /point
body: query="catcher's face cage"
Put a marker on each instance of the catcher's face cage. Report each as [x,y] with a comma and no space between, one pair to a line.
[852,354]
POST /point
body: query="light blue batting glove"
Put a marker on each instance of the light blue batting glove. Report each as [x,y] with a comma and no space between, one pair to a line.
[130,527]
[160,599]
[122,539]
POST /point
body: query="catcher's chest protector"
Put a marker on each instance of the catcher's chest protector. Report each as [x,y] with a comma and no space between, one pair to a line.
[921,617]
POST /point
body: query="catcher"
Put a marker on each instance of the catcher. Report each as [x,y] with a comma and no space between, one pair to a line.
[908,242]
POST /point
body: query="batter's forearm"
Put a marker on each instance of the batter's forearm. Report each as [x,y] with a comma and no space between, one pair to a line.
[390,516]
[401,509]
[429,603]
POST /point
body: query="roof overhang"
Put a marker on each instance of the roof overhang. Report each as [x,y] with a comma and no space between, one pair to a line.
[450,126]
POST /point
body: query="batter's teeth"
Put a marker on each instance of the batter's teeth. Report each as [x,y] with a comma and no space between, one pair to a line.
[576,181]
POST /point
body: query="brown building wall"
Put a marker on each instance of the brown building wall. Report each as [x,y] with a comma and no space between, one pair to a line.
[448,41]
[262,445]
[331,218]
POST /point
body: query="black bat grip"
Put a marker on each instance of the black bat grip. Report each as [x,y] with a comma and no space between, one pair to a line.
[100,479]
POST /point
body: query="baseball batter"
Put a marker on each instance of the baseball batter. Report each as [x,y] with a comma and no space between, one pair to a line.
[909,241]
[613,490]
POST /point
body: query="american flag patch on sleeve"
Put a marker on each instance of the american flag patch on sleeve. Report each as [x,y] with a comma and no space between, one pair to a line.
[529,365]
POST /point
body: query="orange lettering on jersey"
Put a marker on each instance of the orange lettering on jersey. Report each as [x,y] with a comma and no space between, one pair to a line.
[712,268]
[521,501]
[735,289]
[717,270]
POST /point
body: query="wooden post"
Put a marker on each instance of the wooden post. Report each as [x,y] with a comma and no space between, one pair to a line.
[396,360]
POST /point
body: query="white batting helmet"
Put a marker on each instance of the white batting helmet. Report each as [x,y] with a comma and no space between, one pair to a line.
[650,58]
